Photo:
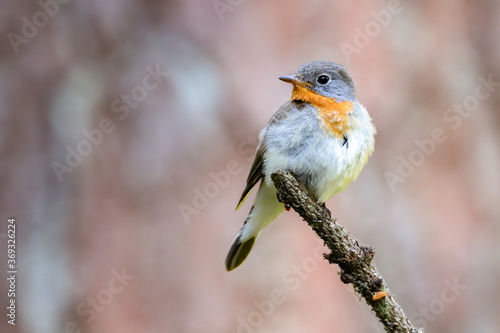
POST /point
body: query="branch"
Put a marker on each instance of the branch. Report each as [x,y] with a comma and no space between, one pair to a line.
[353,259]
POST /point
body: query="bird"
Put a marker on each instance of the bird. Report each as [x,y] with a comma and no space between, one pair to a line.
[322,135]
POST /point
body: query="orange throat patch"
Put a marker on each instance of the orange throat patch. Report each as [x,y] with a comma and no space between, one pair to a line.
[334,116]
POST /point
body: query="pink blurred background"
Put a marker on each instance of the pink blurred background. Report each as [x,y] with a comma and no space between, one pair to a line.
[132,236]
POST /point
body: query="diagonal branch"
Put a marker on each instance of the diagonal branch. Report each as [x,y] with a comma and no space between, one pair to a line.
[353,259]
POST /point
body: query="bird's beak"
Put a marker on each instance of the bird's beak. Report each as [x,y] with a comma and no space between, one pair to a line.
[293,80]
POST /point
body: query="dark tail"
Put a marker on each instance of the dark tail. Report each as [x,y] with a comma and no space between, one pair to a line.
[238,252]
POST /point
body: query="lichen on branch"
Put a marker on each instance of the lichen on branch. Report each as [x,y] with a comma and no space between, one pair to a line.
[353,259]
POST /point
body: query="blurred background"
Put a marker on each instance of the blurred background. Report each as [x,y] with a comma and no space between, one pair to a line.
[127,129]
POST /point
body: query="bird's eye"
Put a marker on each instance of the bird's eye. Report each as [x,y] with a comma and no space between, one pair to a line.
[323,79]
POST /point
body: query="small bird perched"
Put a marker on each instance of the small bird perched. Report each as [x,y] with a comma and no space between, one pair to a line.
[323,136]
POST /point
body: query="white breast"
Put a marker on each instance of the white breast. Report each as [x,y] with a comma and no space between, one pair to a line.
[324,164]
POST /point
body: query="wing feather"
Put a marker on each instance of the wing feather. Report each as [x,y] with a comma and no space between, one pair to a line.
[257,170]
[255,174]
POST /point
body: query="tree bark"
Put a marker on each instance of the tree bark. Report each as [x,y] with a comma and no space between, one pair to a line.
[353,259]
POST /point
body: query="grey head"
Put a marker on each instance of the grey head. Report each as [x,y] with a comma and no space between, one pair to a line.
[325,78]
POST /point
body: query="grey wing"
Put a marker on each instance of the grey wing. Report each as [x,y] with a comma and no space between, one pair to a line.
[255,174]
[257,169]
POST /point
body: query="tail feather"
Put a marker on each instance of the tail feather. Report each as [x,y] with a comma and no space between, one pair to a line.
[238,252]
[265,209]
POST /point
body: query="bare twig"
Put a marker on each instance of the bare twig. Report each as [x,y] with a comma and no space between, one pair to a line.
[353,259]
